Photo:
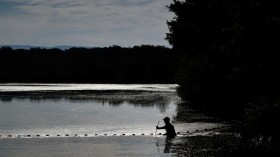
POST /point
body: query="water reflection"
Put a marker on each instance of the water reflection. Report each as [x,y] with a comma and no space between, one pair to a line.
[6,99]
[114,99]
[165,144]
[84,112]
[95,112]
[168,144]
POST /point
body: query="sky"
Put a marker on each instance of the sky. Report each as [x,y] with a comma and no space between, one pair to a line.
[90,23]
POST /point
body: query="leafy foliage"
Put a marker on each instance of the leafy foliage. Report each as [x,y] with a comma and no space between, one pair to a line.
[228,51]
[229,61]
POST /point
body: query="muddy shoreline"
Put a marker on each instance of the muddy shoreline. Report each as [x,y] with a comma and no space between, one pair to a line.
[218,142]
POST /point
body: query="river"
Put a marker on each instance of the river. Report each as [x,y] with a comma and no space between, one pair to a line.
[89,119]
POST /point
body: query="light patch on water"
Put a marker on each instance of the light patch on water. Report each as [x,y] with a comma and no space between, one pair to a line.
[19,87]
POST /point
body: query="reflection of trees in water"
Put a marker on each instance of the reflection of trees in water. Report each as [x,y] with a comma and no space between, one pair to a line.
[31,96]
[144,101]
[161,100]
[6,99]
[115,103]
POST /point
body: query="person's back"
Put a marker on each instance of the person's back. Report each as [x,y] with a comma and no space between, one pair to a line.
[170,131]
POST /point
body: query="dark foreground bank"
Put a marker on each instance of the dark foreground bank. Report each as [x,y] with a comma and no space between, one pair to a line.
[224,142]
[206,146]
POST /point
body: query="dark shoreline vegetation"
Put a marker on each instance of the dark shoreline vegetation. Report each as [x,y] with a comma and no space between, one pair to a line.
[140,64]
[229,65]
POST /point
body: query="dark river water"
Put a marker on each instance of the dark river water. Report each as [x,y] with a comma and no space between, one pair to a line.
[88,119]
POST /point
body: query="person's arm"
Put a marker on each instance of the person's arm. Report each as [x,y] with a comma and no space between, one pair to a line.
[160,127]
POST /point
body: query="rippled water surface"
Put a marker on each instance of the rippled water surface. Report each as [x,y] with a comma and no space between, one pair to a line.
[79,109]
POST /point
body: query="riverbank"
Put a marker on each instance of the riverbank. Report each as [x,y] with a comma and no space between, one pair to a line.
[219,143]
[225,142]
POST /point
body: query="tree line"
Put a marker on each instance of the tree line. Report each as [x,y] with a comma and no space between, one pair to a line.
[114,64]
[229,58]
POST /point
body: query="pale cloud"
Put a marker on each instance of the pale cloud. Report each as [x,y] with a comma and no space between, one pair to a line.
[85,22]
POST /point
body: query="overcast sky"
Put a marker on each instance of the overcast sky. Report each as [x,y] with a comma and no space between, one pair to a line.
[94,23]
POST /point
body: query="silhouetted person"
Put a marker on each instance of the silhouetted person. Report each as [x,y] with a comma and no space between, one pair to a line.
[170,131]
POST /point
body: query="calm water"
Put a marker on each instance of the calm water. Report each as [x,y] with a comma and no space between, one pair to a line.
[79,109]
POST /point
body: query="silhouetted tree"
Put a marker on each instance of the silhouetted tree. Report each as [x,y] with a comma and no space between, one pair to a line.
[228,50]
[229,56]
[6,49]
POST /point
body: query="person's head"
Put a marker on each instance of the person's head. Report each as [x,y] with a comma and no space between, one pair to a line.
[166,120]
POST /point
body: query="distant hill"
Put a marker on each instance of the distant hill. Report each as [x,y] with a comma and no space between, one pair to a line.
[27,47]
